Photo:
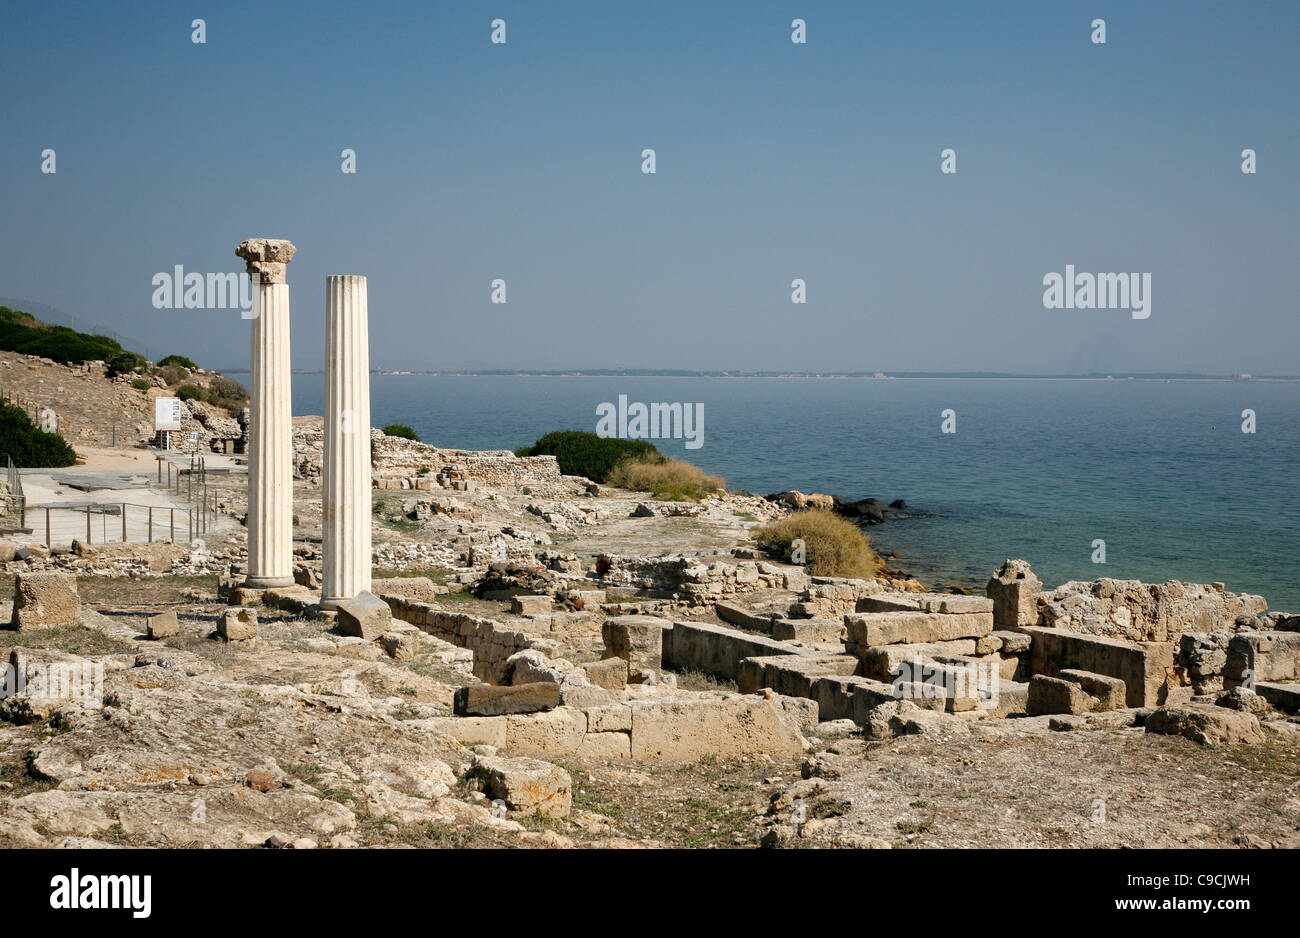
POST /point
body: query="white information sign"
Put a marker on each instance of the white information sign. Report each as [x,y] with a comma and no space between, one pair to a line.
[167,413]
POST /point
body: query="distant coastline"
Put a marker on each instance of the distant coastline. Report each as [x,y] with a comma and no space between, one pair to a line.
[846,375]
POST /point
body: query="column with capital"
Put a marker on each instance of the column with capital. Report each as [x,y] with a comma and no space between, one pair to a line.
[270,435]
[345,481]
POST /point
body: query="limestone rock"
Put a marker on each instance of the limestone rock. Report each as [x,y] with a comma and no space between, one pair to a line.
[610,674]
[1205,725]
[729,727]
[45,599]
[636,639]
[1014,590]
[163,625]
[487,700]
[400,646]
[238,625]
[365,615]
[530,605]
[1058,695]
[527,786]
[418,588]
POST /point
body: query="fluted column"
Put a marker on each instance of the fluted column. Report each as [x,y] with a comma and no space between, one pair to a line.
[345,483]
[270,437]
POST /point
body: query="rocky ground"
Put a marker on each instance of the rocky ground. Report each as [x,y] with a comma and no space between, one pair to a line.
[308,736]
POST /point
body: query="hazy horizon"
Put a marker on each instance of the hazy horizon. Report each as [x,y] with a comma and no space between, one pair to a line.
[775,161]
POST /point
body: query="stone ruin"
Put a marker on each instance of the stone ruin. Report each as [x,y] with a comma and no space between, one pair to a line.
[1178,658]
[892,661]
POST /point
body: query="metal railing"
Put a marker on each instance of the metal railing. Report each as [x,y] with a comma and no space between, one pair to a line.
[15,492]
[195,486]
[117,522]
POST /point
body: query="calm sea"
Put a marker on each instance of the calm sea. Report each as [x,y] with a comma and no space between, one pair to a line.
[1161,472]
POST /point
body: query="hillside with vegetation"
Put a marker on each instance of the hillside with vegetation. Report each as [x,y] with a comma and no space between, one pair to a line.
[101,393]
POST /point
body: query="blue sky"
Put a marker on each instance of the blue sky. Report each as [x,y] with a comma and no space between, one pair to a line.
[775,161]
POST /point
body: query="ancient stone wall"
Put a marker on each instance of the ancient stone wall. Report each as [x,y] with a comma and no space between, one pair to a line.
[1144,612]
[490,642]
[406,464]
[694,583]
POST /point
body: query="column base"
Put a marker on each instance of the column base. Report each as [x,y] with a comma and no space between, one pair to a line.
[266,582]
[333,602]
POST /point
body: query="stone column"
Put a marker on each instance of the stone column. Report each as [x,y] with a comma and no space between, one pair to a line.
[270,434]
[345,483]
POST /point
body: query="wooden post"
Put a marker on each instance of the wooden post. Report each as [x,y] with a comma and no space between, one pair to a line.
[173,523]
[87,525]
[47,527]
[151,524]
[123,522]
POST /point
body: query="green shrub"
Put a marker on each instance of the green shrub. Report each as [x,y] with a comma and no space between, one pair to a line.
[221,386]
[178,360]
[226,393]
[669,480]
[22,332]
[173,374]
[833,546]
[401,430]
[28,445]
[142,384]
[585,454]
[124,363]
[189,392]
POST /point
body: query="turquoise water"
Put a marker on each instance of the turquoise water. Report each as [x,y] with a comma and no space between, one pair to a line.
[1036,469]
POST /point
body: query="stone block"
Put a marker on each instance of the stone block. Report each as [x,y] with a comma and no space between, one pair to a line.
[1109,691]
[469,731]
[716,649]
[615,718]
[606,746]
[728,727]
[527,786]
[1143,668]
[1286,697]
[492,700]
[45,599]
[808,630]
[530,605]
[245,596]
[636,639]
[365,615]
[869,629]
[610,673]
[1013,643]
[415,588]
[792,675]
[554,733]
[237,625]
[400,646]
[162,625]
[1209,726]
[1057,695]
[1014,590]
[1262,656]
[741,617]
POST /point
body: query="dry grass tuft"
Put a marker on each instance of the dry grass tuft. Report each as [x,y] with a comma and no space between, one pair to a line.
[833,545]
[668,480]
